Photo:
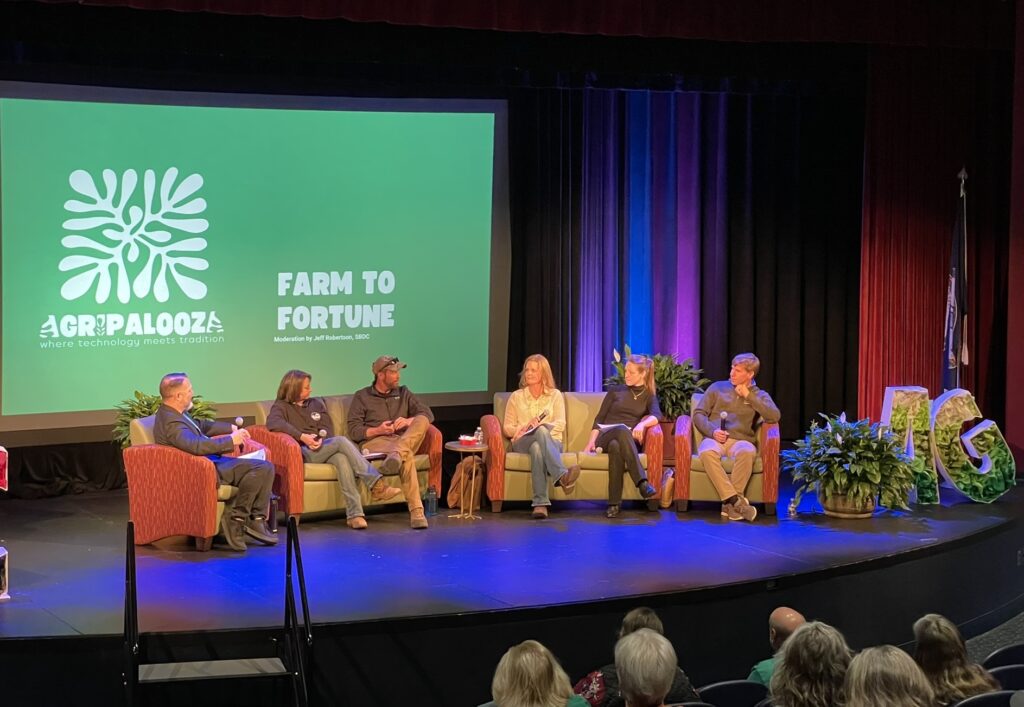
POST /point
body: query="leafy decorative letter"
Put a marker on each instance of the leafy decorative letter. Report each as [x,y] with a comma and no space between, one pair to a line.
[906,411]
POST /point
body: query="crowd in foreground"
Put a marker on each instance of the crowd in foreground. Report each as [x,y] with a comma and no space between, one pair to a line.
[812,666]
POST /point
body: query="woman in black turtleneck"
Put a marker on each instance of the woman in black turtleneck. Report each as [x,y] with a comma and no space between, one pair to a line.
[629,410]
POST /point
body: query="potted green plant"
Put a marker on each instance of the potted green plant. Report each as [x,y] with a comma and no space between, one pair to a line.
[851,466]
[143,405]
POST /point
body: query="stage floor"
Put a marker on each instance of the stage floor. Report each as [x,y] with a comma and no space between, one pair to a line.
[67,562]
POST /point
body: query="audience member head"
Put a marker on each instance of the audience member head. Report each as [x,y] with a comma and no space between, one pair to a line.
[295,386]
[810,667]
[781,624]
[885,676]
[528,675]
[536,370]
[646,665]
[638,618]
[639,370]
[176,391]
[942,655]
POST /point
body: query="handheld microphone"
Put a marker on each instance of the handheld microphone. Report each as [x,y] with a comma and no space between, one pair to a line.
[322,434]
[542,415]
[721,420]
[238,423]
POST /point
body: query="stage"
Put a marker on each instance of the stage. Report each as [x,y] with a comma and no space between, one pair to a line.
[420,602]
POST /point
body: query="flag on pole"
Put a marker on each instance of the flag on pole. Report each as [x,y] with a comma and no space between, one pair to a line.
[954,349]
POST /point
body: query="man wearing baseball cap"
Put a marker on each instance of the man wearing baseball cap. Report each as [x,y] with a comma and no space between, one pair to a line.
[386,417]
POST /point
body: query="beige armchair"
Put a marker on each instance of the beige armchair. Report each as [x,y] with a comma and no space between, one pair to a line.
[508,472]
[693,484]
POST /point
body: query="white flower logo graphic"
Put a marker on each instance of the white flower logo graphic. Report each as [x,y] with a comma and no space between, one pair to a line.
[134,240]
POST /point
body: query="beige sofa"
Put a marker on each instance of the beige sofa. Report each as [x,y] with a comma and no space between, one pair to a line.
[314,488]
[508,472]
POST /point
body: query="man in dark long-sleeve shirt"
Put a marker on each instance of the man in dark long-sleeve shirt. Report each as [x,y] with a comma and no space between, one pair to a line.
[173,426]
[727,416]
[387,417]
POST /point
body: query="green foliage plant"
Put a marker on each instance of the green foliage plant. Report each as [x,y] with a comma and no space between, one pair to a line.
[676,381]
[858,460]
[143,405]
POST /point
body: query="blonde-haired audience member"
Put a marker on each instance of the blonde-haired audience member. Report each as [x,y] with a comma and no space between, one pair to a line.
[885,676]
[535,422]
[528,675]
[810,667]
[942,655]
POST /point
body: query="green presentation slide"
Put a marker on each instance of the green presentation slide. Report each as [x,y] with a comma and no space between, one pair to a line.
[237,243]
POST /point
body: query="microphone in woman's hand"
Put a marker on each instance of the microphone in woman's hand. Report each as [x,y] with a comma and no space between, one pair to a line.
[721,419]
[322,434]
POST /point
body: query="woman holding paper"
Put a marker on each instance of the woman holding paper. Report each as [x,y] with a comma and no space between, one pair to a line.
[306,420]
[626,413]
[535,422]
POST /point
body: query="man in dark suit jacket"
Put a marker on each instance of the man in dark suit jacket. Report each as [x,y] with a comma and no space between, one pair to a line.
[246,514]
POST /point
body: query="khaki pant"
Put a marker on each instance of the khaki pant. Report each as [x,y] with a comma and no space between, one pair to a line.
[404,445]
[742,454]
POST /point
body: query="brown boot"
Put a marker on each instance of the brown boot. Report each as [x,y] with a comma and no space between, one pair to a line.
[417,520]
[381,492]
[357,523]
[540,512]
[568,480]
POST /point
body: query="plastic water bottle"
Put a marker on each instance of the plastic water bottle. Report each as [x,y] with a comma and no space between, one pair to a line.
[431,503]
[479,436]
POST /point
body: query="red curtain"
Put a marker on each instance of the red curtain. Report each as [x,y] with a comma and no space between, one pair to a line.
[931,112]
[903,22]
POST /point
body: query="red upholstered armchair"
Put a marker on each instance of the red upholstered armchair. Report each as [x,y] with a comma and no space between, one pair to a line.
[171,492]
[311,488]
[693,484]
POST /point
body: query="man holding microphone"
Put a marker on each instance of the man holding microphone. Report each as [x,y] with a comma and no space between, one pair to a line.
[727,416]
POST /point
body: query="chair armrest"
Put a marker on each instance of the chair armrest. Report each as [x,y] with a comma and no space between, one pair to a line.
[290,476]
[170,492]
[494,438]
[654,448]
[684,457]
[432,445]
[769,443]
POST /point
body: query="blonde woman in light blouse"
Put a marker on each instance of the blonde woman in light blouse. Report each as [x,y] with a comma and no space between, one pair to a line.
[535,422]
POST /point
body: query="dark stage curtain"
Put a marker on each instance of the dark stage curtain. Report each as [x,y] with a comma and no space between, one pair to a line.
[905,22]
[931,112]
[703,224]
[54,470]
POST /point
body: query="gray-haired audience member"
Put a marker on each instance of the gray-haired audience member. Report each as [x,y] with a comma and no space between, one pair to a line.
[646,664]
[810,667]
[942,655]
[600,688]
[885,676]
[781,624]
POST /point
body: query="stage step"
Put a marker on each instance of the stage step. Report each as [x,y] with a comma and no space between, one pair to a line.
[212,670]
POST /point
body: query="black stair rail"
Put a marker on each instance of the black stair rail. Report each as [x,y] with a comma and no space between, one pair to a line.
[298,639]
[131,623]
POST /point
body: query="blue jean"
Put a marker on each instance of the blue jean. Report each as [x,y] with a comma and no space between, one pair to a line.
[545,460]
[344,456]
